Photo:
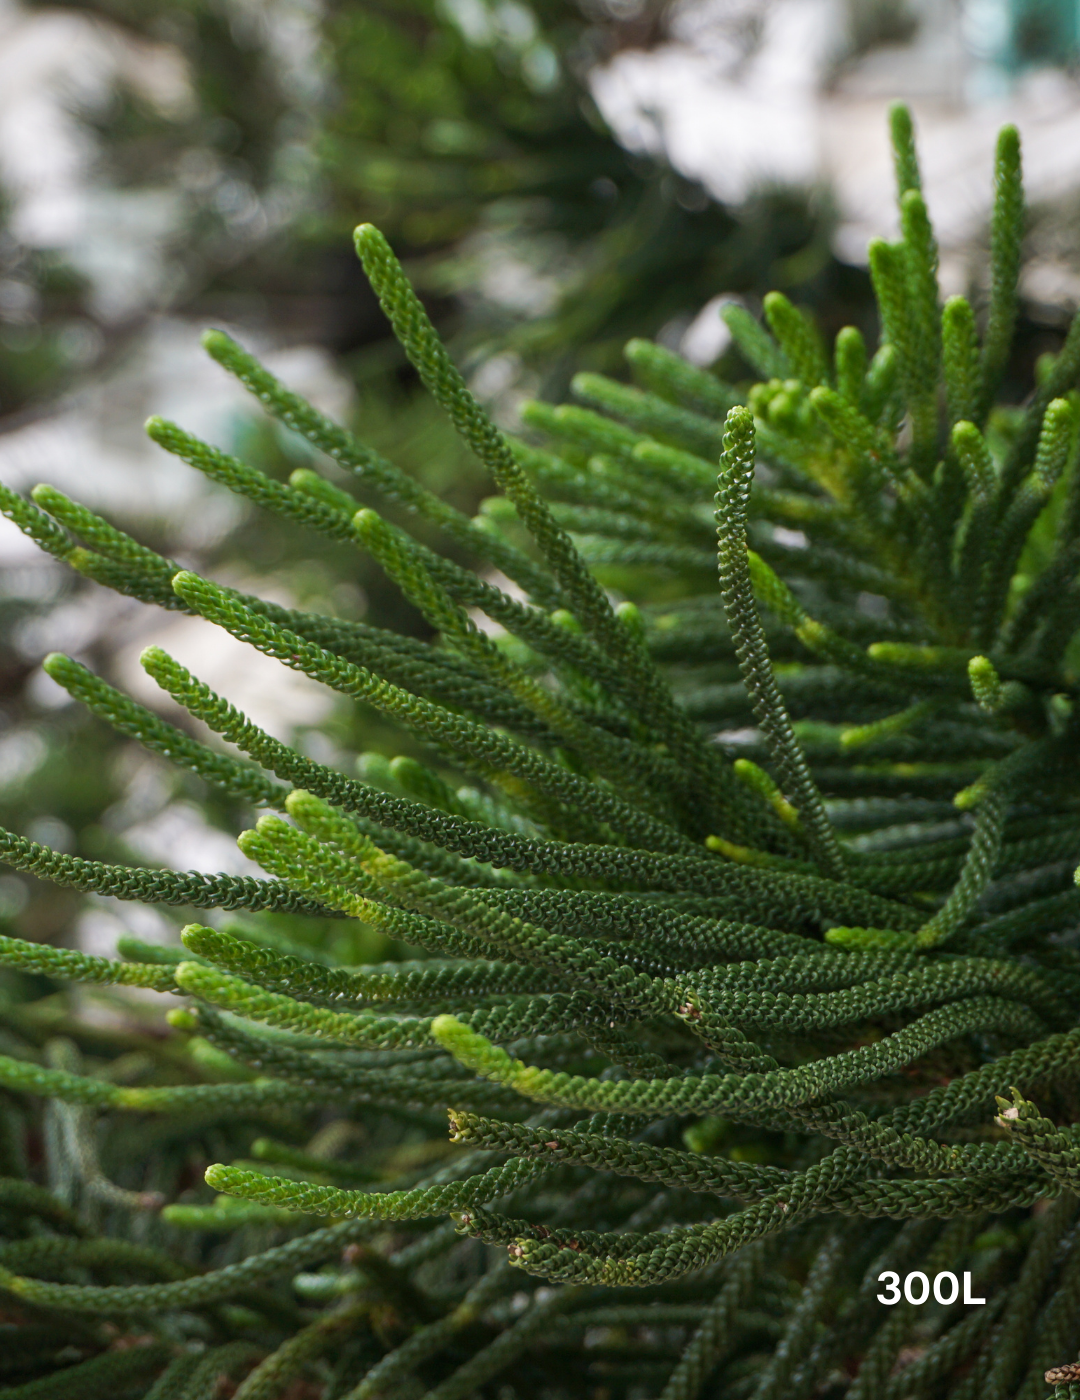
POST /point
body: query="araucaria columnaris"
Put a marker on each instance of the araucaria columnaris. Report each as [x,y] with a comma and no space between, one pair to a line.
[742,921]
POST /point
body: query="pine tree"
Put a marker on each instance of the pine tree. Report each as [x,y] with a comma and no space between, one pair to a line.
[738,919]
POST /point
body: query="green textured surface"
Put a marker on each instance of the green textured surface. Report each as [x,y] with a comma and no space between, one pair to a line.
[738,910]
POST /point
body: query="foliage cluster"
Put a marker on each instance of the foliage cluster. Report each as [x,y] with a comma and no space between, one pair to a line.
[733,927]
[472,142]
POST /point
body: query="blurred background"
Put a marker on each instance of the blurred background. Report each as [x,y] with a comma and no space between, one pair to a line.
[558,176]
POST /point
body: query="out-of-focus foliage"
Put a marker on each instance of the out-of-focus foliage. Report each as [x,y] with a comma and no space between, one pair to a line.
[468,132]
[217,163]
[473,138]
[39,344]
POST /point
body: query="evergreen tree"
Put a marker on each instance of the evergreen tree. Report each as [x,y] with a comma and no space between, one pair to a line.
[737,919]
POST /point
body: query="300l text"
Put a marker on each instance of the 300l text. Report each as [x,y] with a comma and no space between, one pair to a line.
[946,1289]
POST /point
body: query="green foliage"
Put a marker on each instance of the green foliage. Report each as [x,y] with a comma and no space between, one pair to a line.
[453,125]
[728,912]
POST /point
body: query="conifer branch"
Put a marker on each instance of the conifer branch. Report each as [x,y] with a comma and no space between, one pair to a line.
[729,928]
